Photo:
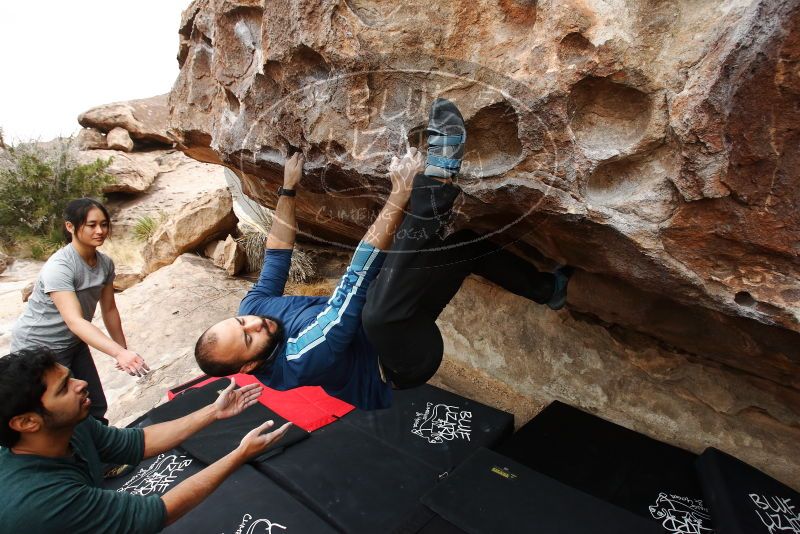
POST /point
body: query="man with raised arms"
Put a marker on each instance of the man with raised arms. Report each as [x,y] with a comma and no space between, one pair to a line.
[52,453]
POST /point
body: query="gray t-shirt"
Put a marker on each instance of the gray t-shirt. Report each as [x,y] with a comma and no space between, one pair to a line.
[41,323]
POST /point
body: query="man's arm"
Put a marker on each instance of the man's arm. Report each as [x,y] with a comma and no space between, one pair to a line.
[280,243]
[381,234]
[165,436]
[194,489]
[284,223]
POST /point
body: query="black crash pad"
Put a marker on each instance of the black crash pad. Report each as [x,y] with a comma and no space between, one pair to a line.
[221,437]
[437,525]
[743,500]
[610,462]
[247,501]
[354,480]
[434,426]
[490,493]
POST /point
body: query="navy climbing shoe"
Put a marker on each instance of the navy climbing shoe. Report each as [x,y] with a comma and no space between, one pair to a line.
[559,298]
[446,137]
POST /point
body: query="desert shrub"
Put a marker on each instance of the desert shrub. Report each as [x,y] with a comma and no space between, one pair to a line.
[145,227]
[37,182]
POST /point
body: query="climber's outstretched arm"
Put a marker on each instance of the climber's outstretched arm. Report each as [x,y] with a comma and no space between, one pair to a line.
[284,223]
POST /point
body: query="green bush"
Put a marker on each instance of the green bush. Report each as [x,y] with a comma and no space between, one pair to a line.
[37,182]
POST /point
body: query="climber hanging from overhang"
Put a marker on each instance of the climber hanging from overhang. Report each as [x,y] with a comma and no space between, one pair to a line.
[378,329]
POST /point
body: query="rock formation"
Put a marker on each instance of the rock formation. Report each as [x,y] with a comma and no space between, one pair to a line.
[179,180]
[119,139]
[90,139]
[653,145]
[141,154]
[195,224]
[133,173]
[145,120]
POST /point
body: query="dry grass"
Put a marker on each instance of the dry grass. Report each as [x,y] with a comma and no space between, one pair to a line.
[254,244]
[124,251]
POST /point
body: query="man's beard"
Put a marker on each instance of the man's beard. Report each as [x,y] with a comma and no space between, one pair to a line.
[58,422]
[266,355]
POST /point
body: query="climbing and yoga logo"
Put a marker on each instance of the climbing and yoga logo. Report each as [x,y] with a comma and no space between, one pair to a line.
[778,514]
[158,476]
[442,422]
[681,515]
[349,126]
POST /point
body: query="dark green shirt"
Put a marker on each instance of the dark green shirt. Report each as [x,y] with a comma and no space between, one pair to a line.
[39,494]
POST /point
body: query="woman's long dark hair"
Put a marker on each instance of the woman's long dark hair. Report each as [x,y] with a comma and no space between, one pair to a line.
[78,210]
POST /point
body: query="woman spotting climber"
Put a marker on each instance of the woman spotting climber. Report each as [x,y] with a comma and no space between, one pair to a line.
[60,309]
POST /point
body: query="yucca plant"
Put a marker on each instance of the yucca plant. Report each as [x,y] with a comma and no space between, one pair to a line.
[145,227]
[255,223]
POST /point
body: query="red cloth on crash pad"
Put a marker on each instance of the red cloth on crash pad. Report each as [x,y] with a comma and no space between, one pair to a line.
[308,407]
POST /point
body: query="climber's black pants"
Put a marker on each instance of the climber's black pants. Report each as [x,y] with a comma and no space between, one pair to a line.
[420,275]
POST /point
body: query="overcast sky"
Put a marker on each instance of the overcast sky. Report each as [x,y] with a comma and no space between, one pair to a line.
[61,57]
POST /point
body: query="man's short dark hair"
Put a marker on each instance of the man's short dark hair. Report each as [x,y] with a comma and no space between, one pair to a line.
[204,354]
[21,387]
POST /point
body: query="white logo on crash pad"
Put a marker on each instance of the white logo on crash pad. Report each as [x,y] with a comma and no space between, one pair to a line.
[779,514]
[681,515]
[442,422]
[158,477]
[263,525]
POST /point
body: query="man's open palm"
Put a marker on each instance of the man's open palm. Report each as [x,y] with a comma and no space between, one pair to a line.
[234,401]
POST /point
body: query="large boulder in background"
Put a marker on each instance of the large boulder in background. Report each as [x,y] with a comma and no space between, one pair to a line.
[190,228]
[144,119]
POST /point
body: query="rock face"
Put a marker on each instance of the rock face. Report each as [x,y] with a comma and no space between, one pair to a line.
[133,173]
[190,228]
[215,252]
[145,120]
[90,139]
[119,139]
[233,256]
[179,181]
[126,277]
[14,283]
[653,145]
